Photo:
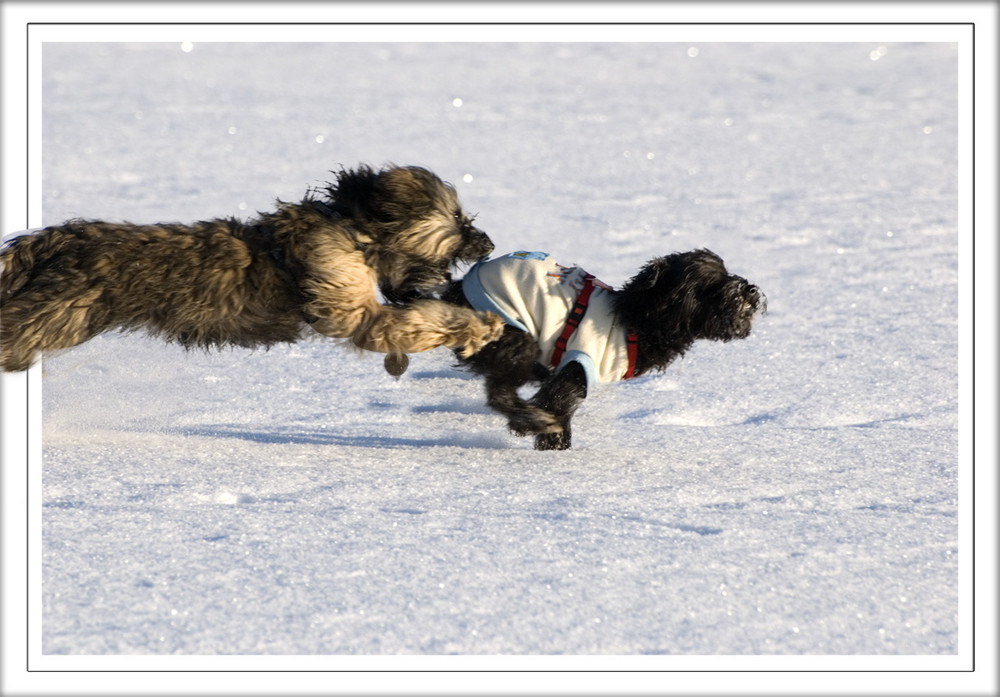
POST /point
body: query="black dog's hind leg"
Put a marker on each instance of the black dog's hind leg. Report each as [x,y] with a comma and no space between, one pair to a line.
[507,364]
[523,418]
[560,396]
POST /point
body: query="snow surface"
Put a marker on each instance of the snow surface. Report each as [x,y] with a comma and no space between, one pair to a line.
[792,494]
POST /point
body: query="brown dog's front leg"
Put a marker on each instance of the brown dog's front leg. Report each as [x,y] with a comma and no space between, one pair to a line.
[426,324]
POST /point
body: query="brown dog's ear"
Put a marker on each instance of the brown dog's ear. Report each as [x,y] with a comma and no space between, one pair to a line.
[407,182]
[405,193]
[354,192]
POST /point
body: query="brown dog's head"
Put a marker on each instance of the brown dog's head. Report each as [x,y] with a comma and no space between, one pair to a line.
[416,225]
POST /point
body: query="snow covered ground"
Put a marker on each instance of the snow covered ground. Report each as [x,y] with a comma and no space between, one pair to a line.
[794,494]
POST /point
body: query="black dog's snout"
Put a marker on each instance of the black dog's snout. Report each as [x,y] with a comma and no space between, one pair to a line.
[757,299]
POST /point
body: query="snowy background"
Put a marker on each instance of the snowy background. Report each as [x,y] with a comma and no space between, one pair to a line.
[794,493]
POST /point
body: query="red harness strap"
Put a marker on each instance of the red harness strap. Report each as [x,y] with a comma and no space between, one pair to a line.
[573,321]
[632,339]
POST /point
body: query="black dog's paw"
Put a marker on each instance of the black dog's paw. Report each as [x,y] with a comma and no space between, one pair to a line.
[553,441]
[532,420]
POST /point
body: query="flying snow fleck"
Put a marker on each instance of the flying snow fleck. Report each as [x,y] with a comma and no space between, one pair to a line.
[320,139]
[878,53]
[187,46]
[467,178]
[692,52]
[456,102]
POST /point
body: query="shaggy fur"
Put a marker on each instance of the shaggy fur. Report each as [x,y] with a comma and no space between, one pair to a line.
[672,302]
[222,282]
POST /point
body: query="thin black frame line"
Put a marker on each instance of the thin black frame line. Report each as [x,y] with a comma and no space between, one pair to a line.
[973,347]
[27,386]
[506,24]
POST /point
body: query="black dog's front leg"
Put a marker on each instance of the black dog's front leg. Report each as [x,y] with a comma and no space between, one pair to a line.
[560,396]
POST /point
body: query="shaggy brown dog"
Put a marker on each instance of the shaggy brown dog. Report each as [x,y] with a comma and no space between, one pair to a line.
[223,282]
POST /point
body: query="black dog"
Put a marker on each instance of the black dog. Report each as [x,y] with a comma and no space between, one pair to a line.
[568,331]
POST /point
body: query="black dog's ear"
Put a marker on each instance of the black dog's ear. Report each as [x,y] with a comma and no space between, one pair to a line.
[650,274]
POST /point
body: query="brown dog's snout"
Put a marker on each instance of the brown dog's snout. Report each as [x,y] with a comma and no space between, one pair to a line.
[478,245]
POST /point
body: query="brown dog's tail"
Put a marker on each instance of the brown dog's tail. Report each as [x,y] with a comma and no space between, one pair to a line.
[15,262]
[38,312]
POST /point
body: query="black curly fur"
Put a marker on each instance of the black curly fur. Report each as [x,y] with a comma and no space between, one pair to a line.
[680,298]
[672,302]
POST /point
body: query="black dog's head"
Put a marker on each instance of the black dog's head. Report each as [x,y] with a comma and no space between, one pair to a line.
[414,224]
[677,299]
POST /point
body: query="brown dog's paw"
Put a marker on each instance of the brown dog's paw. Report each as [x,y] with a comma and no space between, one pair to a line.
[495,326]
[491,327]
[396,363]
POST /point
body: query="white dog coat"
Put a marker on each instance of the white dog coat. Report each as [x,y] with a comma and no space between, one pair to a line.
[533,293]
